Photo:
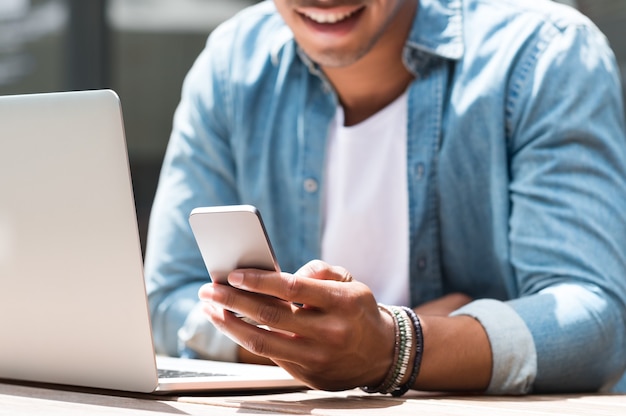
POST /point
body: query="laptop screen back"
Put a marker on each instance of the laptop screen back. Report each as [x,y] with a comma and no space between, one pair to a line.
[70,256]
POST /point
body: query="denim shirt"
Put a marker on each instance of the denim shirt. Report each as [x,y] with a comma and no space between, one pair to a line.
[516,170]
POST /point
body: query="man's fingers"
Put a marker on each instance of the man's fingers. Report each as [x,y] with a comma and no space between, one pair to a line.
[260,341]
[317,269]
[316,284]
[289,287]
[262,310]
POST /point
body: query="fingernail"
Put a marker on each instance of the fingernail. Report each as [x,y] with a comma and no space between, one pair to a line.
[235,278]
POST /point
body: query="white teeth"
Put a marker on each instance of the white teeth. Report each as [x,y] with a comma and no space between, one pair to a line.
[328,17]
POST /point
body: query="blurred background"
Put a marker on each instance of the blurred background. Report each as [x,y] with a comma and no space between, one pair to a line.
[142,49]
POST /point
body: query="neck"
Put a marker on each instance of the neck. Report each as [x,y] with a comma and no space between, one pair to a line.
[374,81]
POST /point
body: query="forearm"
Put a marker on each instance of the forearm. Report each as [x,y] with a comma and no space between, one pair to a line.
[457,355]
[566,338]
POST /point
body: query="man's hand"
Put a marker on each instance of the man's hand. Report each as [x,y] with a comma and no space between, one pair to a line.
[337,339]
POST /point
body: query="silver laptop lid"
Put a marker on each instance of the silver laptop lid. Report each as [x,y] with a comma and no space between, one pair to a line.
[71,280]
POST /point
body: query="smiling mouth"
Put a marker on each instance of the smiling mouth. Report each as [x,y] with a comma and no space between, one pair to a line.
[329,18]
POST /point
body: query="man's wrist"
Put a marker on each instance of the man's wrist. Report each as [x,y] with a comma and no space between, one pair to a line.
[407,352]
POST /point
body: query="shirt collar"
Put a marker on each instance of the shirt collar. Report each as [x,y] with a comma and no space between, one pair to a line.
[438,28]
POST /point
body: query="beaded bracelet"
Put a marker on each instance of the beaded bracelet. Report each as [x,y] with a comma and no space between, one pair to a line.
[406,347]
[419,351]
[402,351]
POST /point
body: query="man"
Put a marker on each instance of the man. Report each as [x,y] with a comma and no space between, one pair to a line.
[464,158]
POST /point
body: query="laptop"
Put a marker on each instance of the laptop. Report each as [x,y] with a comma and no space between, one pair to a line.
[73,304]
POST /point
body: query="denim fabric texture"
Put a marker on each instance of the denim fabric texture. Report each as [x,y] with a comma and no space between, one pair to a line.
[516,170]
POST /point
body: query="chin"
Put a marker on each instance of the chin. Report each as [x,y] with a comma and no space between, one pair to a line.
[335,57]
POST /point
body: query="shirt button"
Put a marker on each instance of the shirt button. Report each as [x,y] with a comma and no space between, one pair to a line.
[310,185]
[420,171]
[421,263]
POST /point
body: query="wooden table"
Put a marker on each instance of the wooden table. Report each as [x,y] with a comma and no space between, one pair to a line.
[42,400]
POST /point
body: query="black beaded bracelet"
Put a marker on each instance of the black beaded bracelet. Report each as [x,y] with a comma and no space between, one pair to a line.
[406,347]
[403,348]
[419,351]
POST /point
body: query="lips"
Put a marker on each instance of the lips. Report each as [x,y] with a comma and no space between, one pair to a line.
[336,21]
[328,17]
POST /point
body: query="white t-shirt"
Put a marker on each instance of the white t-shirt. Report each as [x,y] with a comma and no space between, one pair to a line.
[366,225]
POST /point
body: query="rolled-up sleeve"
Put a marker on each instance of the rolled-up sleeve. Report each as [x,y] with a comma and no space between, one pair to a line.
[575,329]
[510,339]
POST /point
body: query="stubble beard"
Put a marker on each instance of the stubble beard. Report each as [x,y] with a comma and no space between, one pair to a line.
[332,58]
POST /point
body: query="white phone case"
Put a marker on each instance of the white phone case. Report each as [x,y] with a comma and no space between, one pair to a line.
[231,237]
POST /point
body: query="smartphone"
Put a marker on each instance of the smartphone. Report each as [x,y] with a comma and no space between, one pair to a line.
[232,237]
